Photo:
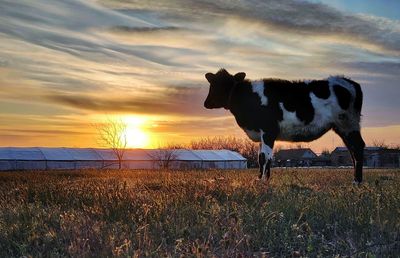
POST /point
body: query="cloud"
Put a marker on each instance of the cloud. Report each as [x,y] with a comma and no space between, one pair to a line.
[387,69]
[165,101]
[201,125]
[69,27]
[299,17]
[69,14]
[38,132]
[140,30]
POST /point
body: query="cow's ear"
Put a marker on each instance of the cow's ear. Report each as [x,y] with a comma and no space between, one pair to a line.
[239,77]
[210,77]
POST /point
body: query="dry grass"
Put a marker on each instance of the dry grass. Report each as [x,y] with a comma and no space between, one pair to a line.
[199,213]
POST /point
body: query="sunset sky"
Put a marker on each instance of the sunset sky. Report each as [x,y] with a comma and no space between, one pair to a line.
[68,64]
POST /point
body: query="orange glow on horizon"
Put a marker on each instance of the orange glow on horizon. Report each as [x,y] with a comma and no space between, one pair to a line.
[153,131]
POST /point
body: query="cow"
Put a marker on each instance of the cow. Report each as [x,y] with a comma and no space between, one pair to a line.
[296,111]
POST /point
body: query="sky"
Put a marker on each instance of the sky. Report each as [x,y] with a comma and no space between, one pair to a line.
[66,65]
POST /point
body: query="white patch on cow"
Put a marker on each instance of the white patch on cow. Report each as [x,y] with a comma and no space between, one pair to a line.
[258,87]
[265,148]
[325,110]
[337,80]
[328,111]
[350,120]
[255,136]
[290,125]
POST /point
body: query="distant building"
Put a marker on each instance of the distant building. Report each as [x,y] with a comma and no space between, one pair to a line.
[373,157]
[38,158]
[340,156]
[302,157]
[389,158]
[322,161]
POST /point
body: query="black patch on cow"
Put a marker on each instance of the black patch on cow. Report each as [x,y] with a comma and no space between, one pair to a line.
[343,96]
[359,95]
[269,139]
[295,97]
[320,89]
[261,162]
[246,106]
[308,137]
[268,169]
[343,117]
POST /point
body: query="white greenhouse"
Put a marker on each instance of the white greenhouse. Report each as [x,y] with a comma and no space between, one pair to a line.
[39,158]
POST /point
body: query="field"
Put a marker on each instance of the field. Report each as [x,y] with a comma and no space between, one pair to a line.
[301,212]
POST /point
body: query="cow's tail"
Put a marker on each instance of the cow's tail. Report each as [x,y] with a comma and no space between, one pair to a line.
[359,96]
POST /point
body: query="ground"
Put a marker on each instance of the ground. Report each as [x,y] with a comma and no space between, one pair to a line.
[97,213]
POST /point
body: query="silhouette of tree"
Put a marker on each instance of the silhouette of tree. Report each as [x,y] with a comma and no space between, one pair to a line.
[164,155]
[112,134]
[380,144]
[245,147]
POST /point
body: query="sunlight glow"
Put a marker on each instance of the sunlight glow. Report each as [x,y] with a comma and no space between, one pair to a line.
[137,136]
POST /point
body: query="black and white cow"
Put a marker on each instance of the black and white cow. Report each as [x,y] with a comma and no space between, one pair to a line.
[273,109]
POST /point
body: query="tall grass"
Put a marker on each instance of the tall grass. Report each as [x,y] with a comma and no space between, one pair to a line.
[199,213]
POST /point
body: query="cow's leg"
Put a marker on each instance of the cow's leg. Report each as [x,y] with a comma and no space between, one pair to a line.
[355,143]
[267,144]
[261,162]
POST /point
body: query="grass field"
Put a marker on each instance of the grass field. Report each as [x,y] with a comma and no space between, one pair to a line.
[199,213]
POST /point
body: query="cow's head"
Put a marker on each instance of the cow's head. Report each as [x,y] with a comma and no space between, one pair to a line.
[221,85]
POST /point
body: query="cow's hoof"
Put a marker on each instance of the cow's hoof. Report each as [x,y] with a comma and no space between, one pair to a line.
[357,183]
[265,180]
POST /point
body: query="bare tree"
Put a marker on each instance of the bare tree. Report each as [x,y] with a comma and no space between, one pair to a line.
[380,144]
[245,147]
[249,150]
[325,152]
[165,155]
[217,143]
[112,134]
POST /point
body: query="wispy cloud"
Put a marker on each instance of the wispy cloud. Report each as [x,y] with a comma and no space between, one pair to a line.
[139,30]
[299,17]
[169,101]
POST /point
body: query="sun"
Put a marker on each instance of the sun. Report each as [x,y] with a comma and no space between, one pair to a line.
[136,135]
[136,138]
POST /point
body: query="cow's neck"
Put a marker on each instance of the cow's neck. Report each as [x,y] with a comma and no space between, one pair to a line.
[237,95]
[229,102]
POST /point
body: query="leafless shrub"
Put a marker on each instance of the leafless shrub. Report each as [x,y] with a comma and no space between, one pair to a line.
[380,144]
[164,155]
[245,147]
[325,152]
